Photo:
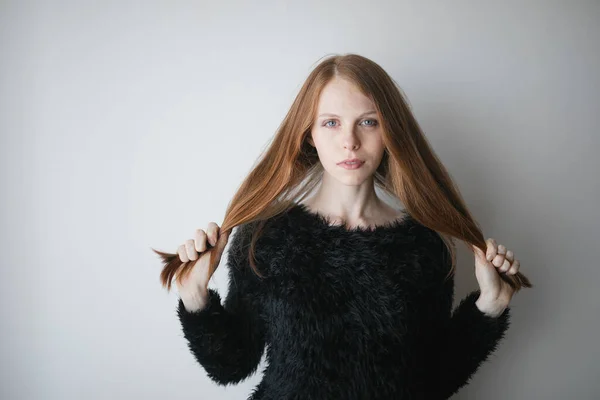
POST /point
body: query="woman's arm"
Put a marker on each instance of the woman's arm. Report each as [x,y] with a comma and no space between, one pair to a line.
[464,341]
[228,339]
[459,341]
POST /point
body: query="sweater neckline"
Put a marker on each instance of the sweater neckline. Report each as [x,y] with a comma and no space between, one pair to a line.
[324,222]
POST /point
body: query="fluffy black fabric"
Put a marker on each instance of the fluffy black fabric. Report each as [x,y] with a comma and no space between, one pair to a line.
[342,313]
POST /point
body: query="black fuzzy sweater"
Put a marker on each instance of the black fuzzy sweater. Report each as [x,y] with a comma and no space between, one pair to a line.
[342,314]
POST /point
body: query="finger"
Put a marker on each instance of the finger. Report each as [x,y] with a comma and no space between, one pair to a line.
[491,250]
[510,256]
[514,268]
[190,248]
[505,266]
[182,253]
[212,231]
[501,249]
[498,260]
[200,241]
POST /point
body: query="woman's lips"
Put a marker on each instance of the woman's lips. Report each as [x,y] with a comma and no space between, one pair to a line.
[356,165]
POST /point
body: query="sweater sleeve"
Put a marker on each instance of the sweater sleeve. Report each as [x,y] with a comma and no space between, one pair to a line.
[463,339]
[466,340]
[228,339]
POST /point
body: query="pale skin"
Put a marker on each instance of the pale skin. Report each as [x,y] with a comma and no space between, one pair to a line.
[347,126]
[496,294]
[193,291]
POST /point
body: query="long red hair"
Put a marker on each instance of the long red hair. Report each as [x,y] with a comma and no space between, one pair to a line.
[289,168]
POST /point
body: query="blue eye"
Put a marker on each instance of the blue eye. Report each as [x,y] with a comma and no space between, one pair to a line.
[374,123]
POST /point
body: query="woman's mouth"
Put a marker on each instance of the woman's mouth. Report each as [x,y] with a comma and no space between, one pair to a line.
[351,164]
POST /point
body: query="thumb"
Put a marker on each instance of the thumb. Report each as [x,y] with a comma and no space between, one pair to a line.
[478,253]
[222,240]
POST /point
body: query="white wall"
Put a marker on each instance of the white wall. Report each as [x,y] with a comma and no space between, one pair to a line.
[127,125]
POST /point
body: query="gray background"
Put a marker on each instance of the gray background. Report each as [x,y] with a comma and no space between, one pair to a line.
[127,125]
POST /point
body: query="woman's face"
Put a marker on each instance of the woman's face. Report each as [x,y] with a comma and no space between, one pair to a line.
[346,127]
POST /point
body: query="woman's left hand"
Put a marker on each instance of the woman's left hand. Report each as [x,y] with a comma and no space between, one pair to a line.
[495,292]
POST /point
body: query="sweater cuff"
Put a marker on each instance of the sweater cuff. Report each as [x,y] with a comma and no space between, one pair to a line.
[213,306]
[468,308]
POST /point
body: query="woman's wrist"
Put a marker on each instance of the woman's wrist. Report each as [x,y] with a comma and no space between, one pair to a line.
[491,308]
[196,302]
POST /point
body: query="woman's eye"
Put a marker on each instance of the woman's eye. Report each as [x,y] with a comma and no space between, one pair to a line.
[373,122]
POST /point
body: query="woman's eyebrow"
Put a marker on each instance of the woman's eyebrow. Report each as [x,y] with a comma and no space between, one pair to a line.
[334,115]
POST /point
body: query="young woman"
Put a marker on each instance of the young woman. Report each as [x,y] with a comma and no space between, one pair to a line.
[351,298]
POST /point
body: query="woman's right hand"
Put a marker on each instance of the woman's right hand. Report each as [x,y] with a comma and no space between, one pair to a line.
[193,290]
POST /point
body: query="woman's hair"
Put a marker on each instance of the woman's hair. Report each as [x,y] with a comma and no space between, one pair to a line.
[289,168]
